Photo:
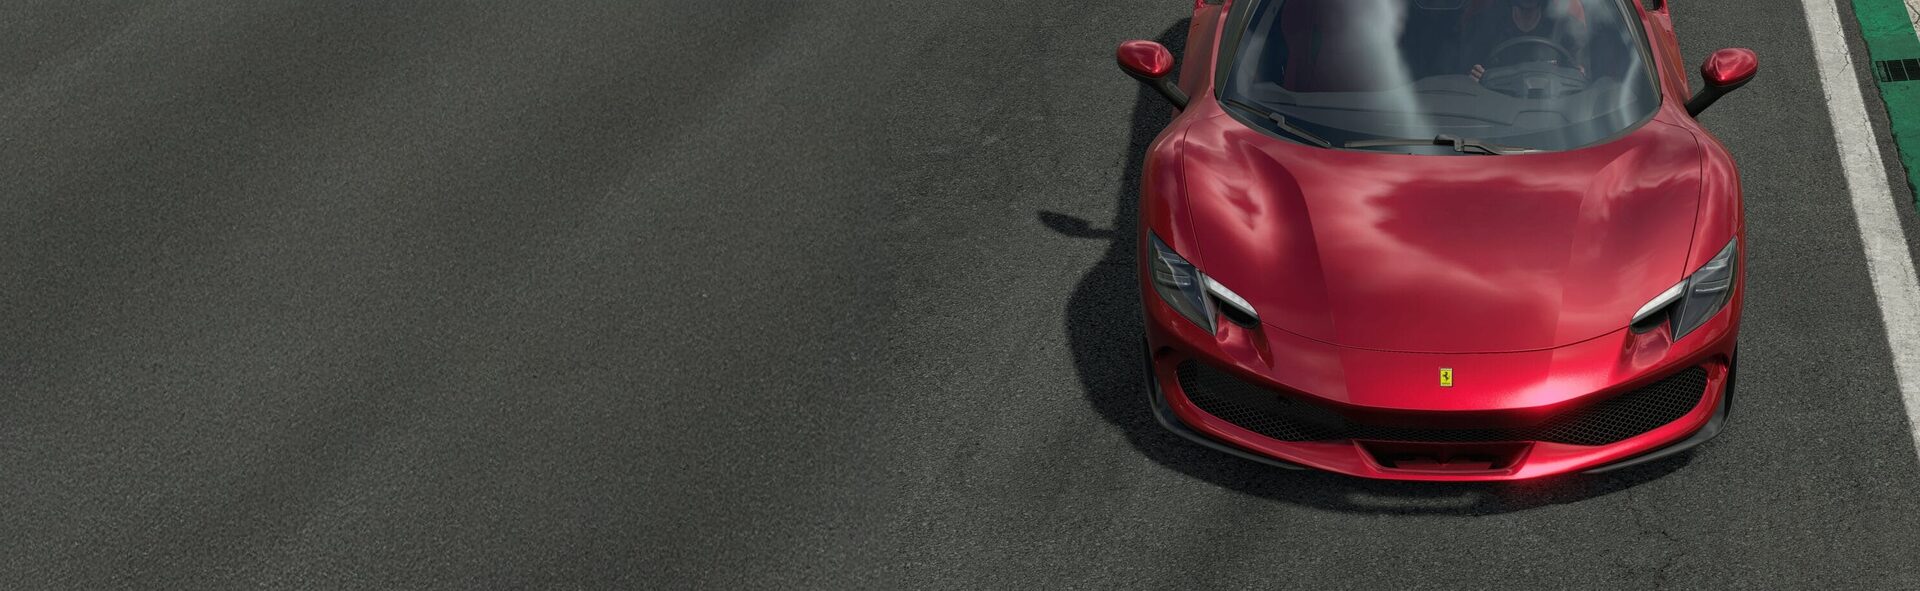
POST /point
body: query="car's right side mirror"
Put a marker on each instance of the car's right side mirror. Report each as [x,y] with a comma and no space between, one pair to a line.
[1723,71]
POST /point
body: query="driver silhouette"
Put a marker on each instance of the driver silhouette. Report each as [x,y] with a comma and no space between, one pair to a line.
[1489,30]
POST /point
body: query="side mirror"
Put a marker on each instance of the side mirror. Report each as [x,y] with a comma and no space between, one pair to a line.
[1723,71]
[1150,63]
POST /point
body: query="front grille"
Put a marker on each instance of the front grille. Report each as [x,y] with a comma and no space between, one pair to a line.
[1286,418]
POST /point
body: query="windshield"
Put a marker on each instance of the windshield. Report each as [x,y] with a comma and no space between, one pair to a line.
[1525,74]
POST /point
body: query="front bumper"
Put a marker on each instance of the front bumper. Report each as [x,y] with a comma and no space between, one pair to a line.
[1552,383]
[1164,413]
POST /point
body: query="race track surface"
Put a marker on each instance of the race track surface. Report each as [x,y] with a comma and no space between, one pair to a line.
[782,294]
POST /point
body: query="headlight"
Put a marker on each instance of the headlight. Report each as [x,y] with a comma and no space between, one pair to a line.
[1192,293]
[1689,304]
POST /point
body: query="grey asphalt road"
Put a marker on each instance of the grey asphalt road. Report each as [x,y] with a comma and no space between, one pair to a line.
[805,293]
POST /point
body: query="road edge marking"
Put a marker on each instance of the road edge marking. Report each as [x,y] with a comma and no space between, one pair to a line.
[1869,186]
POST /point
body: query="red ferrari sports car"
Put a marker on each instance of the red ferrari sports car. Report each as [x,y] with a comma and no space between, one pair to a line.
[1439,239]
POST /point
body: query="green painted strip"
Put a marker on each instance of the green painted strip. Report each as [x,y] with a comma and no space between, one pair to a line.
[1890,36]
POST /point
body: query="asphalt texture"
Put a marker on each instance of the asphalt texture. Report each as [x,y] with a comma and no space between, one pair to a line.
[802,294]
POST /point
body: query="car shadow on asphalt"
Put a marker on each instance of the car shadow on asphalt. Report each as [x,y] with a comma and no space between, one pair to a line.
[1104,330]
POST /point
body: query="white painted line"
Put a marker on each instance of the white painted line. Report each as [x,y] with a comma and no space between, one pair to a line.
[1913,13]
[1873,203]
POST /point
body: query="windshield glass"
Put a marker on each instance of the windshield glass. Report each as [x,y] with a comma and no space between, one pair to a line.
[1527,74]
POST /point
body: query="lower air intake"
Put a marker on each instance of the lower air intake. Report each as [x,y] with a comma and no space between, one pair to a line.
[1287,418]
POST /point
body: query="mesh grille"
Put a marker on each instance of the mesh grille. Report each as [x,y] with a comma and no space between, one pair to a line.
[1629,414]
[1284,418]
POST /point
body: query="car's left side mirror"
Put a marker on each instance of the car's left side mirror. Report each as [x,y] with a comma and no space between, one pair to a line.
[1723,71]
[1151,63]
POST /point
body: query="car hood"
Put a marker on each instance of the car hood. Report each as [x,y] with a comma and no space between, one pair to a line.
[1442,254]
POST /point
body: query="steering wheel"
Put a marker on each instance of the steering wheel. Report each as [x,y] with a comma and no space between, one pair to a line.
[1532,78]
[1493,57]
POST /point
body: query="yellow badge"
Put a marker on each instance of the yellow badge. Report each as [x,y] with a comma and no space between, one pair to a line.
[1446,377]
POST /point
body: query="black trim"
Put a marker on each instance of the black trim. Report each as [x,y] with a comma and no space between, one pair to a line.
[1706,433]
[1710,94]
[1164,86]
[1163,412]
[1228,47]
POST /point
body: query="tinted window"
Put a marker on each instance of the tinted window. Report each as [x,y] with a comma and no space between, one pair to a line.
[1537,74]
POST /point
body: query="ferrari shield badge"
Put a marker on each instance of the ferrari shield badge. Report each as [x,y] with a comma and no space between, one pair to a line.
[1446,377]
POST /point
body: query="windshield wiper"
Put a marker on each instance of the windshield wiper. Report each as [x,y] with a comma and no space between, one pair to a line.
[1281,121]
[1459,144]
